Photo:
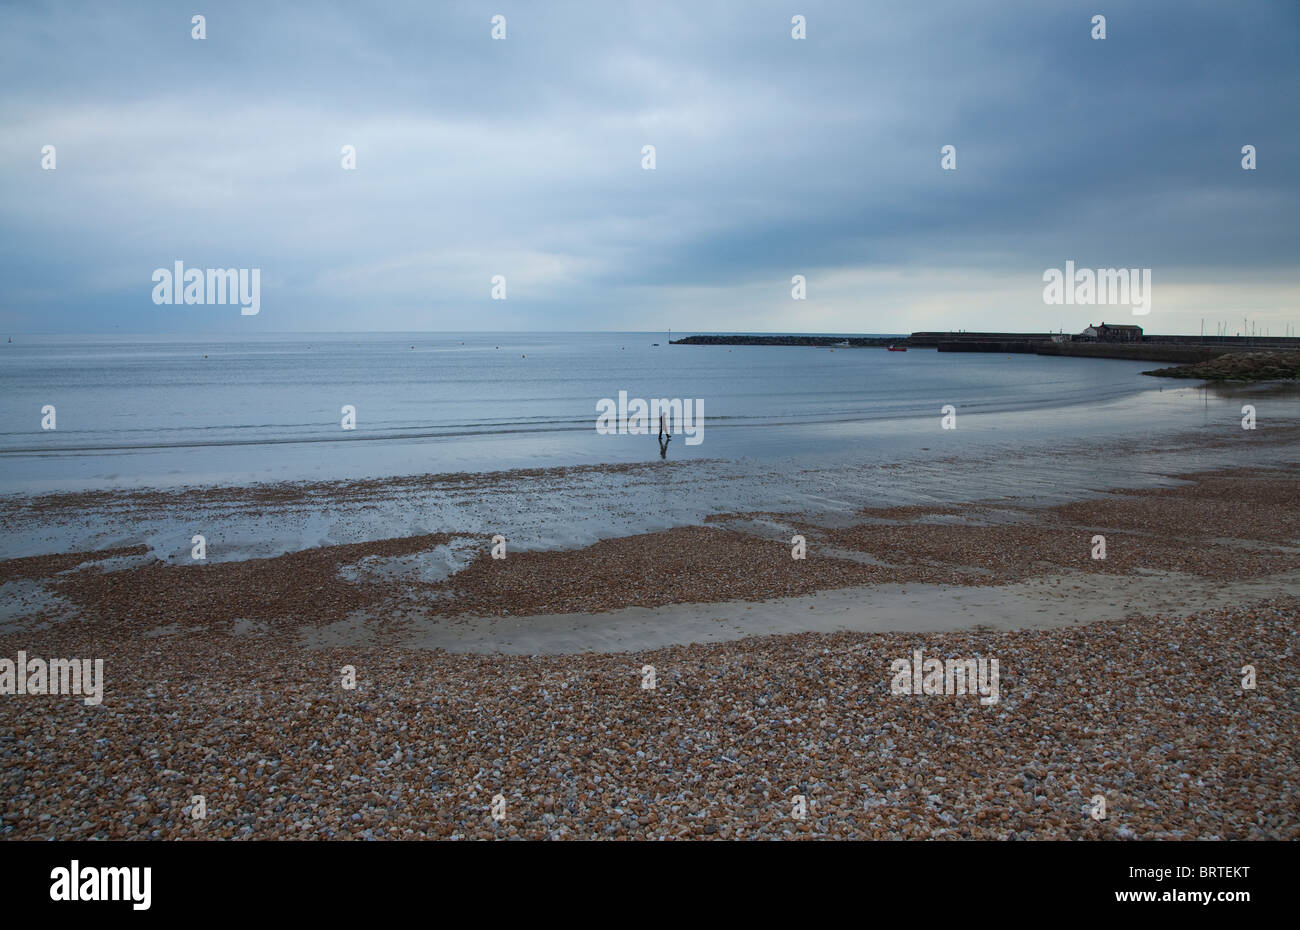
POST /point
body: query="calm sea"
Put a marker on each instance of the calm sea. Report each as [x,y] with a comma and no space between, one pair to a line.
[157,411]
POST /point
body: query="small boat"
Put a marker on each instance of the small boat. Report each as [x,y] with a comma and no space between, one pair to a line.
[898,348]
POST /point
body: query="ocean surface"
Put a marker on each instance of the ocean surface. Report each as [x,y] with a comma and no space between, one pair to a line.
[168,412]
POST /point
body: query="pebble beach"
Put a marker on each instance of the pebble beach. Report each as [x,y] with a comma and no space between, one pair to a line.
[1149,713]
[215,688]
[641,424]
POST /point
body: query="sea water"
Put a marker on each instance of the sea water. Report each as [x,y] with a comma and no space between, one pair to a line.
[157,412]
[437,416]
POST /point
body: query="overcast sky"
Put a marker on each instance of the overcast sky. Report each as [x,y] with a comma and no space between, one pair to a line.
[774,157]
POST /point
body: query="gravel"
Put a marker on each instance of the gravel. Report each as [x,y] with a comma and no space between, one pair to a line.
[210,690]
[1149,712]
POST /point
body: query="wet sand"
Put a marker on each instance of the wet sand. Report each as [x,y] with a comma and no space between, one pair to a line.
[1211,532]
[1047,602]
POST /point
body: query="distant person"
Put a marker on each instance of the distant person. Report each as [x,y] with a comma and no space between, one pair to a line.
[665,437]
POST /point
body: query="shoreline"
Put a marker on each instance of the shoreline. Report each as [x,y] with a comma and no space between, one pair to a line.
[1230,526]
[604,501]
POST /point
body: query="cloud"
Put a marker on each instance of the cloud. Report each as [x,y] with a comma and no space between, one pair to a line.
[523,158]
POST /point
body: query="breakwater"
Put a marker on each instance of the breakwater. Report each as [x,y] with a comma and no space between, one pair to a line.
[1150,348]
